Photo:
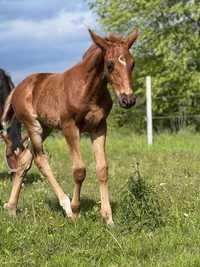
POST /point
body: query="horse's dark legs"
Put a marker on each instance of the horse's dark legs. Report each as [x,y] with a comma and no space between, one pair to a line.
[72,136]
[98,142]
[24,163]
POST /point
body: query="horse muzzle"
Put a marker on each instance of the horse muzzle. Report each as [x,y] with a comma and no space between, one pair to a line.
[127,101]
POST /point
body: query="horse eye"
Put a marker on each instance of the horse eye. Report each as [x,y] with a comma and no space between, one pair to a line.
[110,66]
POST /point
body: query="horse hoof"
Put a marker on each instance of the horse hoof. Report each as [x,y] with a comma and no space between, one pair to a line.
[107,217]
[75,211]
[11,210]
[110,224]
[76,215]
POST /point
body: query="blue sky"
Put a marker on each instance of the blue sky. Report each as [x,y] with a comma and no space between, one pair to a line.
[42,36]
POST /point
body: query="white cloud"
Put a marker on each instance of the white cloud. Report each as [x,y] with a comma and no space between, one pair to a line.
[62,26]
[36,37]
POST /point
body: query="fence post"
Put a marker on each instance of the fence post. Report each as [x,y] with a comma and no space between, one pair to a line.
[149,111]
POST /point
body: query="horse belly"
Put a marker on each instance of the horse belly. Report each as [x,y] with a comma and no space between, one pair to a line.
[48,114]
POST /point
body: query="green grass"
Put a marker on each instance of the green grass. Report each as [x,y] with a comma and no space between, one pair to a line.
[155,199]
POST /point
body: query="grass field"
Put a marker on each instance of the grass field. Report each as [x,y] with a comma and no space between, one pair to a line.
[156,208]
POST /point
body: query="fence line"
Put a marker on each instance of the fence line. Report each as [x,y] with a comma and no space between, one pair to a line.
[184,115]
[172,97]
[149,111]
[150,118]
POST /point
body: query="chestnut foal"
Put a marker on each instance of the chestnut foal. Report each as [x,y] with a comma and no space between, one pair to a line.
[74,101]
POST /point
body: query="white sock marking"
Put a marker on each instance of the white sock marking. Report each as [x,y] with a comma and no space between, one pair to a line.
[66,205]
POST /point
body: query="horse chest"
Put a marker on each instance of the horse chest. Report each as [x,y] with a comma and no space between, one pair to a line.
[92,118]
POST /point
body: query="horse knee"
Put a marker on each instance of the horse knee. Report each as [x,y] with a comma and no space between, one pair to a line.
[26,158]
[41,160]
[79,174]
[35,133]
[102,173]
[38,159]
[24,161]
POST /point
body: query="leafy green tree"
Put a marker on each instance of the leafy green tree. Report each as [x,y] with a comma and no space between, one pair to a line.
[168,48]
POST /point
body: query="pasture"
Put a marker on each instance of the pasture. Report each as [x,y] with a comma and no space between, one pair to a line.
[155,198]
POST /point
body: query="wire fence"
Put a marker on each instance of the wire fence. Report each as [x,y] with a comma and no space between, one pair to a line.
[180,113]
[177,114]
[187,110]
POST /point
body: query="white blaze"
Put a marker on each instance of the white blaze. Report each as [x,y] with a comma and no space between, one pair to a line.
[122,61]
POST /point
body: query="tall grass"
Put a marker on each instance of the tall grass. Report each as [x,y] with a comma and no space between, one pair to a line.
[141,205]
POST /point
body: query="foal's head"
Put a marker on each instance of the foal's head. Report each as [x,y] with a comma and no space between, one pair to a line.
[118,64]
[14,144]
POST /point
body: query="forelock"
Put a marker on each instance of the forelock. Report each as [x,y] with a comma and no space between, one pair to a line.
[115,39]
[6,74]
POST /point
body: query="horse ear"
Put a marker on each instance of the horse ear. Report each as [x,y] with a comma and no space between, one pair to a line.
[132,37]
[98,40]
[11,84]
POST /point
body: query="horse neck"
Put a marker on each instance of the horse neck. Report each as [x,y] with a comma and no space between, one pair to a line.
[93,72]
[5,89]
[14,134]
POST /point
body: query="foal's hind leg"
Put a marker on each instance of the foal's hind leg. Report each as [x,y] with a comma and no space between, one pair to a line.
[24,162]
[41,160]
[72,136]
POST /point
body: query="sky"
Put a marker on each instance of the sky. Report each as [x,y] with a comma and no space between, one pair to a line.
[43,36]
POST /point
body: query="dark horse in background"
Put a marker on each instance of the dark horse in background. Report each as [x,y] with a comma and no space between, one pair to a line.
[74,101]
[12,138]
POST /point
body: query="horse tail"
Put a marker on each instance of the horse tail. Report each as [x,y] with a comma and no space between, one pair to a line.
[8,111]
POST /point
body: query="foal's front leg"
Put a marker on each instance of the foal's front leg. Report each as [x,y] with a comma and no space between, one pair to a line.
[72,136]
[98,142]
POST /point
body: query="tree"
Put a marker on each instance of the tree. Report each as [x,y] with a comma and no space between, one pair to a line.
[168,48]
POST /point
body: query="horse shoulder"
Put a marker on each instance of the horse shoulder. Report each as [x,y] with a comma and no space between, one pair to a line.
[97,112]
[28,94]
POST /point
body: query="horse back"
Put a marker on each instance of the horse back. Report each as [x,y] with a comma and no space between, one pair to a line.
[39,95]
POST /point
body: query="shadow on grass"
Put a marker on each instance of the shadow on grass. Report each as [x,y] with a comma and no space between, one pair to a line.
[87,204]
[5,176]
[31,178]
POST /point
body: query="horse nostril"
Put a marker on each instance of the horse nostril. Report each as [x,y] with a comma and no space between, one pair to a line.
[124,100]
[133,100]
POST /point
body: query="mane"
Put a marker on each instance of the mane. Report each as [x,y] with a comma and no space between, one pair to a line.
[6,87]
[94,50]
[8,78]
[115,39]
[3,71]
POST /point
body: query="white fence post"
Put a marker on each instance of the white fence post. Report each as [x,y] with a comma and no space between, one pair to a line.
[149,111]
